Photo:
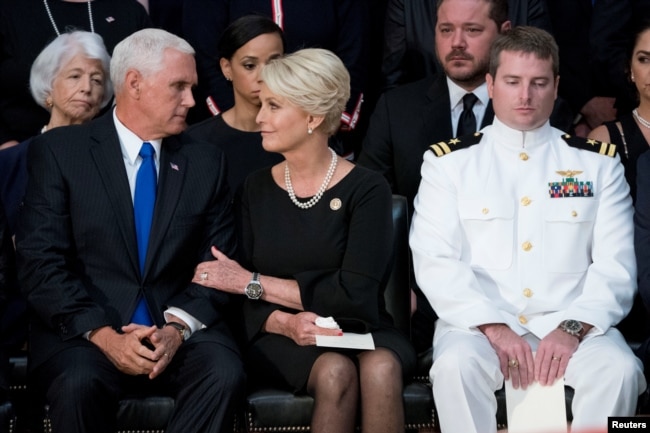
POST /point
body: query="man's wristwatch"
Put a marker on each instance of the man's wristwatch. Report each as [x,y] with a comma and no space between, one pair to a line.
[572,327]
[184,332]
[254,288]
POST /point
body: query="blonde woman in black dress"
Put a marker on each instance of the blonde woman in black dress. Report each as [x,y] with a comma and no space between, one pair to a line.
[317,241]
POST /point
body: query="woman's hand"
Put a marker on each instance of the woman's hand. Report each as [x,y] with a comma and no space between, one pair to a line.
[222,274]
[300,327]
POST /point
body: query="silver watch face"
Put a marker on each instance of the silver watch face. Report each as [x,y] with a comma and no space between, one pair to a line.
[254,290]
[572,327]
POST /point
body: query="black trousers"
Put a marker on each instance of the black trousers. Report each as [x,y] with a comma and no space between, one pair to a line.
[83,388]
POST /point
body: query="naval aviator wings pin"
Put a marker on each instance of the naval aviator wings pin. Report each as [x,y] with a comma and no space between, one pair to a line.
[570,186]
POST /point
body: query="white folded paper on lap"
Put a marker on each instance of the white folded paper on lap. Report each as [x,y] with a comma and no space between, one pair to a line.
[348,340]
[537,409]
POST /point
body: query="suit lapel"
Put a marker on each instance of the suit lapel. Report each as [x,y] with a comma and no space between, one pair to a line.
[173,166]
[436,117]
[107,155]
[488,117]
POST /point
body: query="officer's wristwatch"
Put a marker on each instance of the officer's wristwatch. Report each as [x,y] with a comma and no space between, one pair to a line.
[572,327]
[184,332]
[254,288]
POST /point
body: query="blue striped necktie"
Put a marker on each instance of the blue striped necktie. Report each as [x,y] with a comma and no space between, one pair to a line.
[143,204]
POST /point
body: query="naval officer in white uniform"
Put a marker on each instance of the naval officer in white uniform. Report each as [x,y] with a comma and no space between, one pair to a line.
[522,241]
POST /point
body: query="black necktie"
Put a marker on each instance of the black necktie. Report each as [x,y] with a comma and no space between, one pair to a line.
[467,120]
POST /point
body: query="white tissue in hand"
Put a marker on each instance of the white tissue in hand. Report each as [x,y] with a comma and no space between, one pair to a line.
[327,322]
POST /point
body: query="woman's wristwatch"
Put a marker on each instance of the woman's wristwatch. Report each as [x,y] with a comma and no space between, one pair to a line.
[253,289]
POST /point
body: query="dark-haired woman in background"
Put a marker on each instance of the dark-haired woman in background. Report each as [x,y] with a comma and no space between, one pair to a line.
[246,45]
[631,131]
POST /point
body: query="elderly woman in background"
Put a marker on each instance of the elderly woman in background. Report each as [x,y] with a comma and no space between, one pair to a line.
[70,79]
[317,239]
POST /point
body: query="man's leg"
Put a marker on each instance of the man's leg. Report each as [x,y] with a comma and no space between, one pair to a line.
[210,382]
[82,388]
[607,378]
[465,375]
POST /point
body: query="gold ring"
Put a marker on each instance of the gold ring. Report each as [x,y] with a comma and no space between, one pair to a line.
[554,358]
[204,276]
[513,363]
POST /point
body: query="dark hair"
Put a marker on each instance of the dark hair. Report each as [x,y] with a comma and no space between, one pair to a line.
[498,11]
[640,27]
[242,30]
[525,39]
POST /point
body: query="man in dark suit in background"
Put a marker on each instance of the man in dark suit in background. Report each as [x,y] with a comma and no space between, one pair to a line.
[114,310]
[593,36]
[408,119]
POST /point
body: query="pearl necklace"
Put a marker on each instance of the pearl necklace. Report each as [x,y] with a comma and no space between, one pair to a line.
[56,29]
[641,120]
[312,201]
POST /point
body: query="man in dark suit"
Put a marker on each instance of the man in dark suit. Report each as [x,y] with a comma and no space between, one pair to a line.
[88,265]
[408,119]
[593,36]
[409,52]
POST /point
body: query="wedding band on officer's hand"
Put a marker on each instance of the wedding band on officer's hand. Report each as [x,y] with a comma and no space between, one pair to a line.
[204,276]
[513,363]
[554,358]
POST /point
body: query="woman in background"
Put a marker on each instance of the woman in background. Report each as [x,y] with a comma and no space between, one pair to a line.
[631,132]
[246,46]
[317,235]
[70,79]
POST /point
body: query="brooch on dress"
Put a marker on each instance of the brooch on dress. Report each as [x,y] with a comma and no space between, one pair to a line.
[570,186]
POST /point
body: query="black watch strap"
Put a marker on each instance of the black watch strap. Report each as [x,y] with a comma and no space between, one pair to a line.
[180,328]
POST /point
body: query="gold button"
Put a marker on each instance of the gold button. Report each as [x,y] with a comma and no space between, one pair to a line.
[528,293]
[523,320]
[574,213]
[527,246]
[485,211]
[525,201]
[523,156]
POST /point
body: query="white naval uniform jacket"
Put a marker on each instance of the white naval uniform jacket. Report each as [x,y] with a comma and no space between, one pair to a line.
[490,244]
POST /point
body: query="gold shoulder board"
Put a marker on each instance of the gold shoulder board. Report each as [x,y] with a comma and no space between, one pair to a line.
[446,147]
[600,147]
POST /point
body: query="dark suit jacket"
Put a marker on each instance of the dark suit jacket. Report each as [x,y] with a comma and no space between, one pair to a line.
[76,242]
[13,180]
[406,121]
[593,43]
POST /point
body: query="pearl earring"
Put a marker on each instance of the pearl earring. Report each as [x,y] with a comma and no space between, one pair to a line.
[310,131]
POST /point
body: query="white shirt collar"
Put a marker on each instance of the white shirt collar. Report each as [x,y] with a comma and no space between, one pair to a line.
[131,143]
[456,94]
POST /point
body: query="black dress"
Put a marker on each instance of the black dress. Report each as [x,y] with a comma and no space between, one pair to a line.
[629,147]
[338,251]
[244,151]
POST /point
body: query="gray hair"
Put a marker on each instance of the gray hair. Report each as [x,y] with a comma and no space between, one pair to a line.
[144,51]
[60,51]
[313,79]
